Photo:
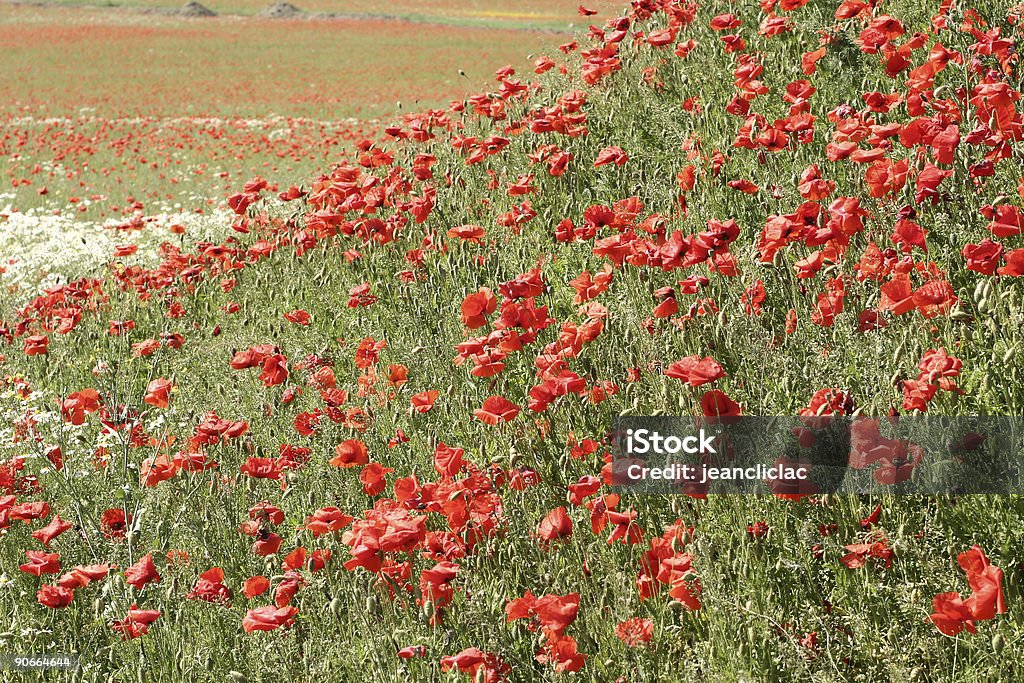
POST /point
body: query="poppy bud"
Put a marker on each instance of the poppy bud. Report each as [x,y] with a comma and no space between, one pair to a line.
[335,607]
[1010,352]
[372,605]
[998,643]
[238,676]
[959,314]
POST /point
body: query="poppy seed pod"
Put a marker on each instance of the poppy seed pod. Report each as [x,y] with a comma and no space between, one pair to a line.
[372,605]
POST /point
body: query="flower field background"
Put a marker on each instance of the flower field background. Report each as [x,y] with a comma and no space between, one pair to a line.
[351,422]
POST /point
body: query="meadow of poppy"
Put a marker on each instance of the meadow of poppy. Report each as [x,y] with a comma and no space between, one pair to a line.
[364,431]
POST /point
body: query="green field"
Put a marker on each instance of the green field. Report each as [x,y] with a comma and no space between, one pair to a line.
[385,399]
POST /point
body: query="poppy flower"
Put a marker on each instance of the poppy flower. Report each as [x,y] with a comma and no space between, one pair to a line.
[1014,263]
[81,576]
[473,660]
[158,393]
[725,22]
[137,622]
[986,581]
[468,233]
[261,468]
[611,155]
[397,375]
[423,401]
[373,478]
[298,317]
[269,618]
[210,587]
[635,632]
[908,234]
[412,651]
[275,370]
[1007,220]
[448,460]
[950,615]
[255,586]
[984,257]
[114,523]
[55,528]
[79,404]
[477,306]
[496,409]
[350,453]
[40,563]
[555,526]
[55,597]
[327,520]
[36,345]
[716,404]
[886,177]
[266,544]
[695,370]
[142,572]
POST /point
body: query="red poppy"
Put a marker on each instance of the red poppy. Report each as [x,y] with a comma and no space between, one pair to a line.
[40,563]
[695,370]
[423,401]
[635,632]
[985,257]
[269,618]
[1014,263]
[55,597]
[142,572]
[555,526]
[373,478]
[275,370]
[255,586]
[448,460]
[158,393]
[298,317]
[210,587]
[496,409]
[55,528]
[350,453]
[611,155]
[468,233]
[477,306]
